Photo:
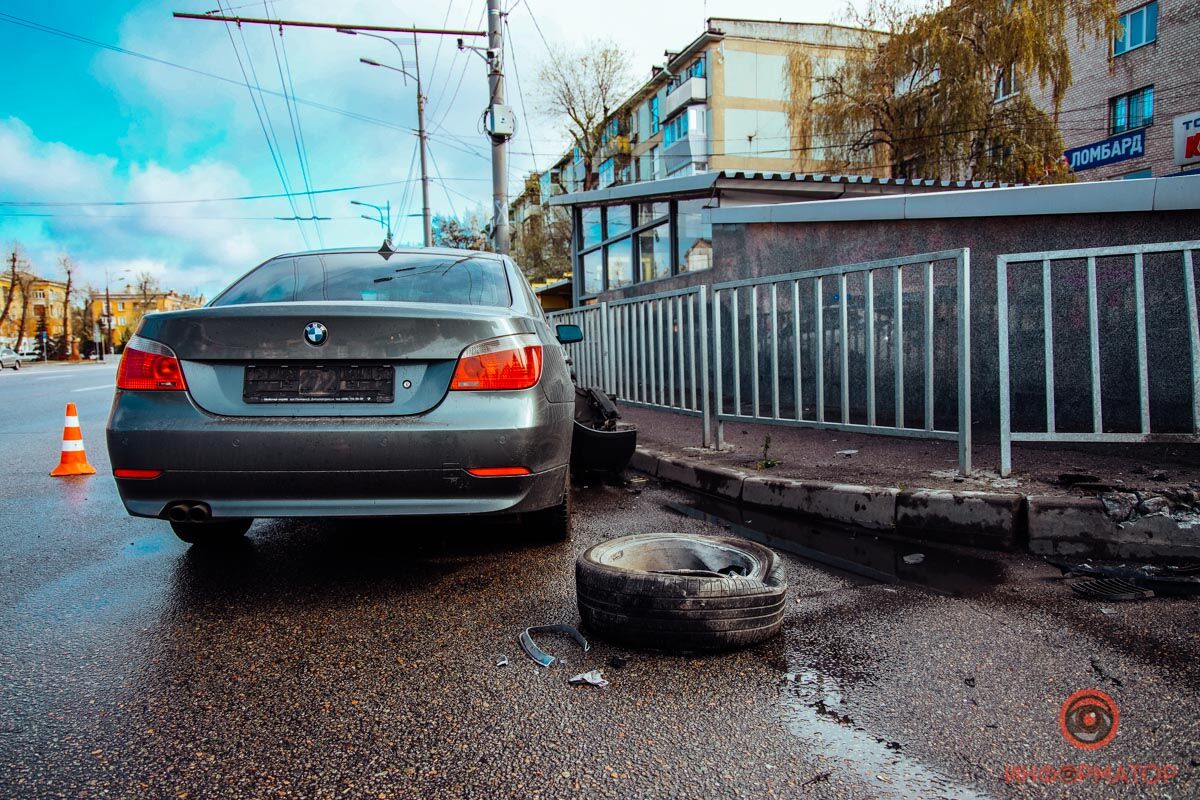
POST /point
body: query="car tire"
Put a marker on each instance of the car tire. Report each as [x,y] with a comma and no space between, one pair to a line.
[212,533]
[665,591]
[16,366]
[552,524]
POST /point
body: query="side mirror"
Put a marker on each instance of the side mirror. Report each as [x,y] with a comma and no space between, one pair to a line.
[568,334]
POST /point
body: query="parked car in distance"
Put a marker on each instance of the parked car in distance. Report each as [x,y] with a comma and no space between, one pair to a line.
[348,383]
[9,359]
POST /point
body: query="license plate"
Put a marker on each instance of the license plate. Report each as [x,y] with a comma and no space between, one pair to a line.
[357,383]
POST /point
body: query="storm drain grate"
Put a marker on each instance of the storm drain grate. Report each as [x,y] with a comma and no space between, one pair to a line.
[1109,589]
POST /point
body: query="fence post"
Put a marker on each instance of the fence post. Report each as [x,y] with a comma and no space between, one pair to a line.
[964,361]
[606,366]
[1002,337]
[705,407]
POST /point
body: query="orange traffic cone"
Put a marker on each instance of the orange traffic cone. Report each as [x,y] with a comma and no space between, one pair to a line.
[74,459]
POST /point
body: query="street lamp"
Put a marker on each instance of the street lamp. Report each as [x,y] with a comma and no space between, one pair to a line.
[107,316]
[423,139]
[384,219]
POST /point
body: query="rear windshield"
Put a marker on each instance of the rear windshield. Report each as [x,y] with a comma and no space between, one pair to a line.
[369,277]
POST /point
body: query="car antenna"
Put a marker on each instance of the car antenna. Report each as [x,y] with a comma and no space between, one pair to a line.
[386,250]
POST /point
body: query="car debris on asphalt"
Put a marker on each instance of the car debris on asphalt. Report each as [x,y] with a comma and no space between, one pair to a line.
[539,655]
[914,558]
[501,661]
[591,677]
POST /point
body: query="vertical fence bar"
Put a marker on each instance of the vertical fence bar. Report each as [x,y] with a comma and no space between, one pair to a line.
[705,408]
[898,331]
[1002,341]
[754,349]
[1094,341]
[796,384]
[626,330]
[660,382]
[670,367]
[1189,292]
[845,349]
[639,325]
[607,357]
[964,361]
[718,356]
[818,302]
[929,346]
[1139,300]
[774,352]
[691,342]
[735,325]
[869,319]
[1048,342]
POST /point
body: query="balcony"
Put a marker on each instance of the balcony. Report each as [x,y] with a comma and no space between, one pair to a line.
[693,90]
[615,146]
[685,150]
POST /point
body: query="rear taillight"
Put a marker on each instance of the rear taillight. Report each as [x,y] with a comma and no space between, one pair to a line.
[149,365]
[507,362]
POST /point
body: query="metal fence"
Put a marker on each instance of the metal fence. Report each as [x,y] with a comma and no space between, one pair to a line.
[650,351]
[771,333]
[1183,273]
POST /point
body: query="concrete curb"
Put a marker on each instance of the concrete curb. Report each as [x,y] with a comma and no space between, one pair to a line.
[1044,525]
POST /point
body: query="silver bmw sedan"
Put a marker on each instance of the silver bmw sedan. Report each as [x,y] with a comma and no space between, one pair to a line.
[348,383]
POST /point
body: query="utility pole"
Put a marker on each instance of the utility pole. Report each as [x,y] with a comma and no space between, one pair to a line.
[497,132]
[426,213]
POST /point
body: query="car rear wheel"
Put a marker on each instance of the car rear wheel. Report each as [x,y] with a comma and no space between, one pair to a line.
[674,591]
[16,365]
[212,533]
[552,524]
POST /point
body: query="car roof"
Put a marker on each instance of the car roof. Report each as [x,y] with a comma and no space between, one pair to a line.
[437,251]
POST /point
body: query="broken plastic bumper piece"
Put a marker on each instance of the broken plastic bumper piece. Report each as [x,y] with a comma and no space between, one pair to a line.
[538,654]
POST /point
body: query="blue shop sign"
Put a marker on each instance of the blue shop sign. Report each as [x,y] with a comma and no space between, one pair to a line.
[1121,147]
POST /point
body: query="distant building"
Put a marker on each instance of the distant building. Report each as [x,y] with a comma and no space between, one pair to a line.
[127,307]
[1133,100]
[45,306]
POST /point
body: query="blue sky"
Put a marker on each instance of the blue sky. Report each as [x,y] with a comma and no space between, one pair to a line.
[82,124]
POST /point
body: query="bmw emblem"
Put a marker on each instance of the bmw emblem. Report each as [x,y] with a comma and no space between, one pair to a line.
[315,334]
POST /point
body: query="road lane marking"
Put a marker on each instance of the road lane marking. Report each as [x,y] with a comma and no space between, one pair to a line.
[93,388]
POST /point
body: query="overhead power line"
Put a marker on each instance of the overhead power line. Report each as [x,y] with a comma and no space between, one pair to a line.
[292,23]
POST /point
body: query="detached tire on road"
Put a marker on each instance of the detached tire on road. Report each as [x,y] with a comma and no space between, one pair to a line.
[673,591]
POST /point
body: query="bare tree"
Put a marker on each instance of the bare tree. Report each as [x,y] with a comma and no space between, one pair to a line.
[580,88]
[24,282]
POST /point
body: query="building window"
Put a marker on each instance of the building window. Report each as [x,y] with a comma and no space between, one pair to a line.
[617,220]
[1133,110]
[675,130]
[1007,84]
[654,115]
[1141,173]
[121,321]
[1138,27]
[607,173]
[654,247]
[620,263]
[590,217]
[39,294]
[693,70]
[694,237]
[593,273]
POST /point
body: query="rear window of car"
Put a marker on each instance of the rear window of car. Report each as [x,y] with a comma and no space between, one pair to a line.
[371,278]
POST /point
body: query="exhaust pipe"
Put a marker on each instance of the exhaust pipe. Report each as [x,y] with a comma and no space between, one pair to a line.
[198,513]
[178,512]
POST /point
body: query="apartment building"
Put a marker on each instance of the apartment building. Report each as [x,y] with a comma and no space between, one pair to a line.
[42,305]
[1132,111]
[127,307]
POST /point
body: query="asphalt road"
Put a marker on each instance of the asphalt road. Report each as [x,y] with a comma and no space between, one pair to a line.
[353,659]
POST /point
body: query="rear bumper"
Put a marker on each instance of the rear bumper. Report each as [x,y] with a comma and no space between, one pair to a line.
[342,467]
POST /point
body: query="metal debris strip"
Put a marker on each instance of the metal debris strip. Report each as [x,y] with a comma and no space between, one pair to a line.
[592,677]
[1112,589]
[539,655]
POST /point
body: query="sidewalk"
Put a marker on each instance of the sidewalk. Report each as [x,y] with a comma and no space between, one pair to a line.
[1110,502]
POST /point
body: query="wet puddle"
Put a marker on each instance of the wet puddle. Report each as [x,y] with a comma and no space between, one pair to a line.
[814,710]
[857,552]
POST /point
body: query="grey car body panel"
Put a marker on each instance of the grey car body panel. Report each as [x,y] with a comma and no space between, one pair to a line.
[333,459]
